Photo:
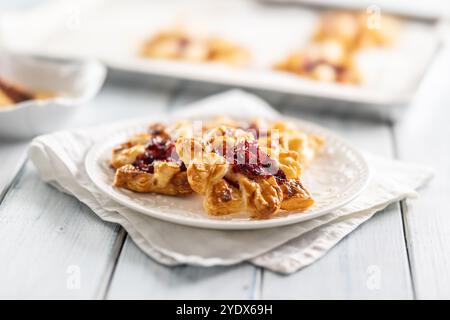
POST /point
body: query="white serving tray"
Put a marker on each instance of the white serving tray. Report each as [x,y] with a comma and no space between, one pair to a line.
[114,30]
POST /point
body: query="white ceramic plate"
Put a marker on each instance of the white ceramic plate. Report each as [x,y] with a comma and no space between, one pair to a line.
[339,174]
[114,32]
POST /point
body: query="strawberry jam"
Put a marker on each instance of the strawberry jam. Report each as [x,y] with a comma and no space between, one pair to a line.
[309,66]
[251,161]
[158,149]
[256,131]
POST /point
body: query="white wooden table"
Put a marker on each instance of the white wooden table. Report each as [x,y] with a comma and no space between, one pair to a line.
[48,238]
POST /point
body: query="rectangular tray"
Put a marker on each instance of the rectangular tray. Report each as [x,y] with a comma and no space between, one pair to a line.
[113,31]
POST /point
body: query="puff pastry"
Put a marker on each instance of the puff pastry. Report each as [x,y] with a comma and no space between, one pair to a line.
[179,45]
[148,162]
[237,171]
[330,55]
[327,61]
[357,30]
[12,94]
[237,166]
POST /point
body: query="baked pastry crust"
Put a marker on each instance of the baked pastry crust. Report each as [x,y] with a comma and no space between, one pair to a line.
[167,179]
[178,44]
[127,152]
[11,94]
[357,30]
[330,55]
[237,171]
[327,61]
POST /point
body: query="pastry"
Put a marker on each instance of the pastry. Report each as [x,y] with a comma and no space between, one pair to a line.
[237,166]
[148,162]
[330,55]
[177,44]
[357,30]
[11,94]
[327,61]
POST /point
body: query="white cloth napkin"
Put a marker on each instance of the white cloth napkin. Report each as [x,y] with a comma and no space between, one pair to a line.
[59,159]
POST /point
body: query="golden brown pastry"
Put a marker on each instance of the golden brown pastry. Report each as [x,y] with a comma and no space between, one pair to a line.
[341,26]
[382,33]
[327,61]
[177,44]
[238,166]
[166,177]
[330,55]
[220,50]
[148,163]
[236,171]
[357,30]
[5,100]
[288,137]
[11,94]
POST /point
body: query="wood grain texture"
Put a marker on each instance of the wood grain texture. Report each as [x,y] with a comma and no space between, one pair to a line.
[50,237]
[369,263]
[12,157]
[423,137]
[139,277]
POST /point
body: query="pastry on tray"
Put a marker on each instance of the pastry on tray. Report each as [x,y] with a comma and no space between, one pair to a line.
[11,94]
[147,162]
[177,44]
[330,54]
[253,167]
[327,61]
[357,30]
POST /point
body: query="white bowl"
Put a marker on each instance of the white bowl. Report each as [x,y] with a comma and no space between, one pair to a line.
[74,82]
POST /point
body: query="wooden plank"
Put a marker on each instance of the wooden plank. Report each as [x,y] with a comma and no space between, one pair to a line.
[52,237]
[423,137]
[139,277]
[151,280]
[369,263]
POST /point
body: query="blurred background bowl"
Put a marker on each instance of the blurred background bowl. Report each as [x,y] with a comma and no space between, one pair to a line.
[73,82]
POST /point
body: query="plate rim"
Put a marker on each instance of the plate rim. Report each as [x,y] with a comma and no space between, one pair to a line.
[215,224]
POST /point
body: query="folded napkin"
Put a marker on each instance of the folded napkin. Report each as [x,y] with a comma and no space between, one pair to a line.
[59,159]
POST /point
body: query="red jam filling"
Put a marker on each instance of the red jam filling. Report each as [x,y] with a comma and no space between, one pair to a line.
[309,66]
[250,160]
[254,129]
[158,149]
[15,94]
[183,43]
